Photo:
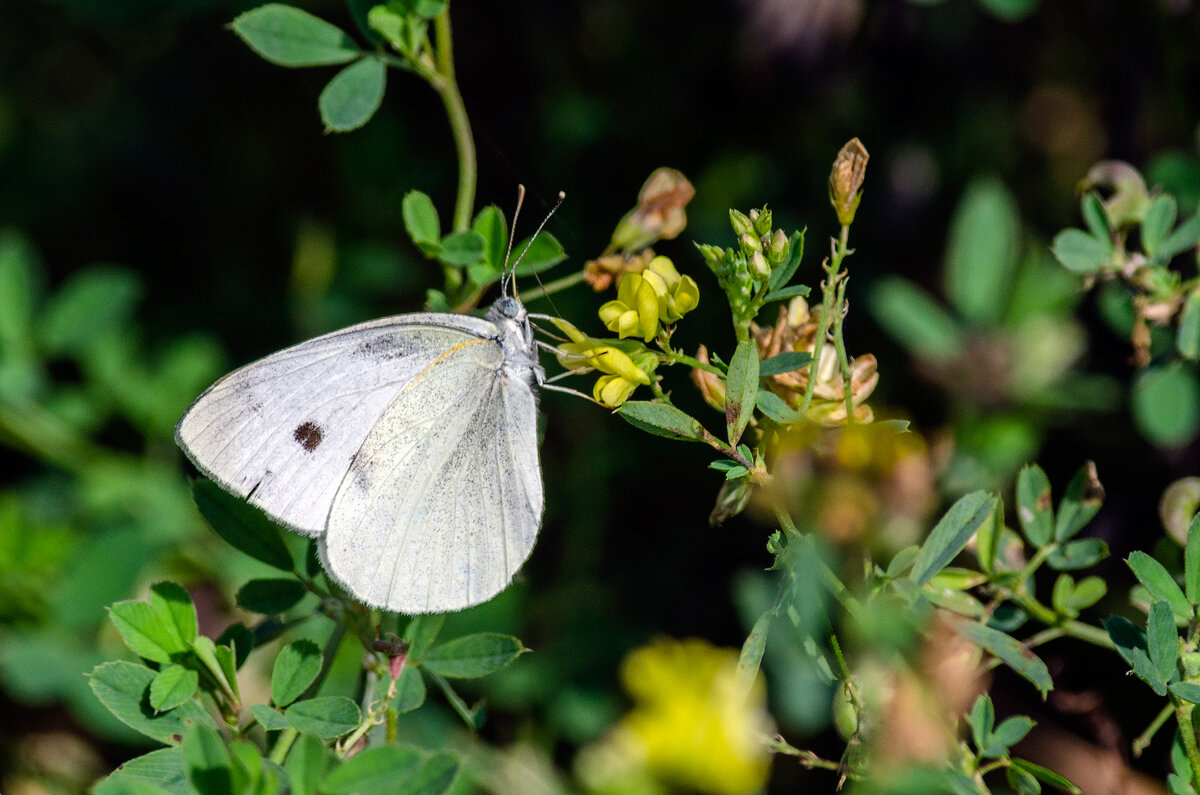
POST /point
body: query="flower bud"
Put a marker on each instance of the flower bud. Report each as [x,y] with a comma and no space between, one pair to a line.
[777,249]
[762,221]
[846,180]
[759,265]
[711,387]
[749,243]
[742,225]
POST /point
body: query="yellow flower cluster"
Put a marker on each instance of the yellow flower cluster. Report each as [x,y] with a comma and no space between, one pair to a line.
[692,725]
[659,294]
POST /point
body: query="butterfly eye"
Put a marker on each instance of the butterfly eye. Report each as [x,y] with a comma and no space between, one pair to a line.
[509,307]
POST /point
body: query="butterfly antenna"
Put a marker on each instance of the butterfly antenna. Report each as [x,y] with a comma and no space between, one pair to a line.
[557,203]
[506,274]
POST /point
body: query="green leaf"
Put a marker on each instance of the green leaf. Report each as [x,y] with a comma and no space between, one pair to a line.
[662,419]
[410,690]
[18,290]
[786,293]
[903,560]
[982,720]
[211,655]
[1162,640]
[1185,236]
[173,603]
[241,525]
[160,772]
[915,320]
[146,631]
[288,36]
[462,248]
[472,656]
[1009,733]
[1010,651]
[241,639]
[1126,636]
[306,765]
[741,389]
[393,770]
[982,252]
[1188,691]
[1022,781]
[1010,10]
[1187,337]
[209,767]
[1146,670]
[1166,405]
[421,220]
[539,255]
[353,95]
[1095,216]
[1087,592]
[776,408]
[783,274]
[966,517]
[172,686]
[325,717]
[90,305]
[750,658]
[1160,217]
[1191,562]
[1034,507]
[1080,502]
[490,225]
[1079,252]
[420,633]
[270,597]
[1047,776]
[1159,582]
[296,667]
[784,363]
[123,688]
[270,719]
[1078,554]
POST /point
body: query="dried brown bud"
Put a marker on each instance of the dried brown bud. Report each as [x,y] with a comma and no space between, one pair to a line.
[659,214]
[711,387]
[846,180]
[601,272]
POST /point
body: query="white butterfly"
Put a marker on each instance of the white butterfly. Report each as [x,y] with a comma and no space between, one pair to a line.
[407,444]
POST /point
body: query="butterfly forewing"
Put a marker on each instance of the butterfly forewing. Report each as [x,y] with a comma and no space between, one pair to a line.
[439,514]
[283,431]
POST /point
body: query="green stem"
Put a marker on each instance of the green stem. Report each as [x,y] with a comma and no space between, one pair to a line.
[1187,733]
[283,745]
[30,427]
[828,293]
[840,345]
[446,86]
[1143,740]
[681,358]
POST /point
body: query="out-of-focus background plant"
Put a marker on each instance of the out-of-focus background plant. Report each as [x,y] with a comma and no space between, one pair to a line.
[1022,272]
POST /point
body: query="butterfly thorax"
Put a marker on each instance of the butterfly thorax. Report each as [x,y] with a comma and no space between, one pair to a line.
[516,339]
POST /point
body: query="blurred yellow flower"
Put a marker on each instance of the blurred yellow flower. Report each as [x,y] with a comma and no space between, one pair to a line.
[692,726]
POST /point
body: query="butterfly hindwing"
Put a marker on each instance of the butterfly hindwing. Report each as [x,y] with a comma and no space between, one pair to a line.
[282,431]
[444,498]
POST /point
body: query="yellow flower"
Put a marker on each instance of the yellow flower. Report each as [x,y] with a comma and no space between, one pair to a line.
[625,364]
[677,295]
[635,311]
[693,725]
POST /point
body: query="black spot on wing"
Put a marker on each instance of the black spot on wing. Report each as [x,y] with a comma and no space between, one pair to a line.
[308,435]
[381,349]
